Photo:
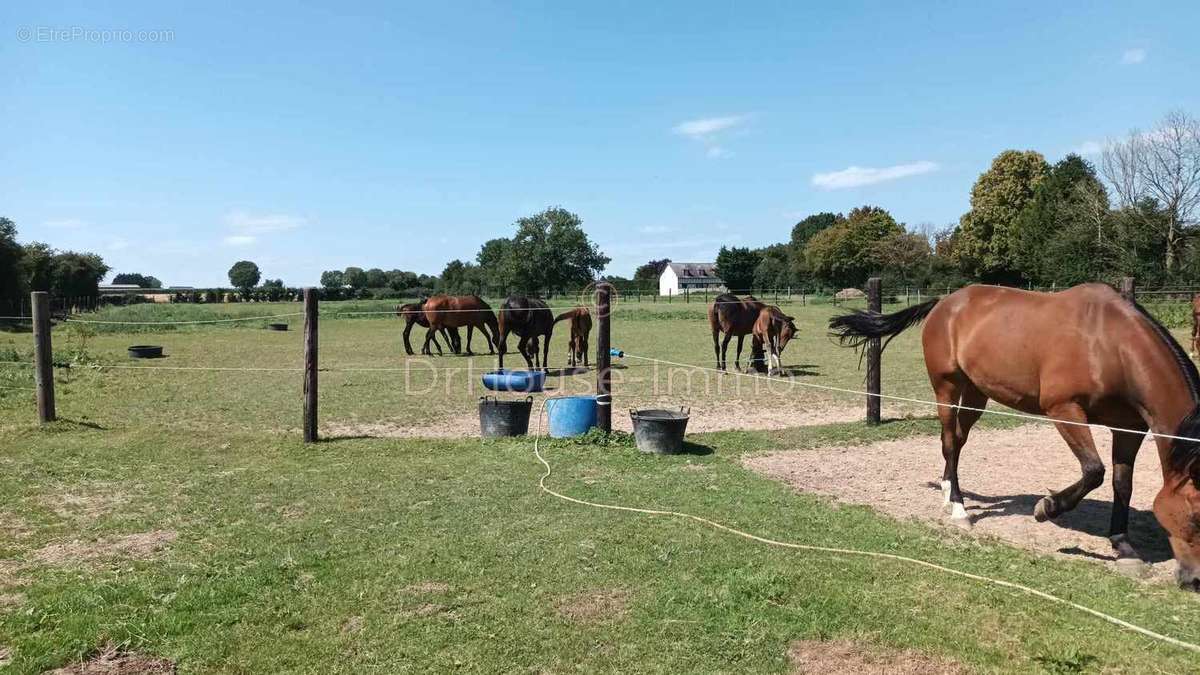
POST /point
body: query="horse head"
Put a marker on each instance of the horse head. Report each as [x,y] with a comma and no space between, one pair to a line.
[1177,505]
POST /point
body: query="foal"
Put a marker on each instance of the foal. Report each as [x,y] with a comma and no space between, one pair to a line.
[581,327]
[774,329]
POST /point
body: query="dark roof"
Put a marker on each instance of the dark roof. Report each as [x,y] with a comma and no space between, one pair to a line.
[696,271]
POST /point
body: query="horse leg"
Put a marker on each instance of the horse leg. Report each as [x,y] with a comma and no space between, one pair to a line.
[429,336]
[723,359]
[1078,436]
[1124,452]
[716,347]
[546,353]
[737,359]
[956,426]
[583,342]
[408,345]
[470,329]
[523,347]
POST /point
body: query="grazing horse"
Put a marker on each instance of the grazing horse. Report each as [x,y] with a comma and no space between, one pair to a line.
[727,314]
[1195,325]
[528,318]
[774,329]
[1081,356]
[456,311]
[581,328]
[412,313]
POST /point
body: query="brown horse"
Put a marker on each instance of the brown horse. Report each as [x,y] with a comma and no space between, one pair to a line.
[732,316]
[414,314]
[456,311]
[774,329]
[581,328]
[528,318]
[1082,356]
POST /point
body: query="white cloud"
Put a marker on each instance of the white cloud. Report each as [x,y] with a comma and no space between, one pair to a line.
[262,223]
[707,126]
[858,176]
[1089,148]
[65,223]
[1133,56]
[239,240]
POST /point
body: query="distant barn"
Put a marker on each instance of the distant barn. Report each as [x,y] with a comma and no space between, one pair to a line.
[680,278]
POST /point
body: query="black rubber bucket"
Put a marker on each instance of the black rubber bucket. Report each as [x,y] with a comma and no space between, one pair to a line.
[277,326]
[660,431]
[145,352]
[504,418]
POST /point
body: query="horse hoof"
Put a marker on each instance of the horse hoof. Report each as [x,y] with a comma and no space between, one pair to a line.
[962,521]
[1044,510]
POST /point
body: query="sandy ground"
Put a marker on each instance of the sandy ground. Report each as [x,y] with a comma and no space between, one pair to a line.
[1002,475]
[708,416]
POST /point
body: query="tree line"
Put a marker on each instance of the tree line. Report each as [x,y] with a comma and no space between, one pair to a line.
[38,267]
[1029,223]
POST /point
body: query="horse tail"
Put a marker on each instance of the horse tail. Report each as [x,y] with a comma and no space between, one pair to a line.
[859,327]
[569,314]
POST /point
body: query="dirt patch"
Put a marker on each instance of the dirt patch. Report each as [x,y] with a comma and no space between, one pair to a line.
[112,660]
[427,587]
[352,625]
[595,606]
[10,575]
[1003,474]
[844,657]
[8,600]
[138,546]
[88,506]
[722,415]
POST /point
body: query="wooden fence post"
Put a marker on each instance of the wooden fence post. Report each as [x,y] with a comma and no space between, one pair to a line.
[1128,289]
[874,304]
[43,356]
[604,356]
[310,365]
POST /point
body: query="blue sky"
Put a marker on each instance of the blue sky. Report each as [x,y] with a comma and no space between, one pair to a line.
[403,136]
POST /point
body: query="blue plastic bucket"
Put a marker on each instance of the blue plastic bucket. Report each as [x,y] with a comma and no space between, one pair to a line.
[571,415]
[514,380]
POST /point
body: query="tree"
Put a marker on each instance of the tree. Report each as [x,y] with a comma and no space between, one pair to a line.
[1059,235]
[244,276]
[273,283]
[399,280]
[12,288]
[986,245]
[1162,166]
[355,278]
[37,266]
[773,267]
[652,270]
[376,278]
[905,256]
[735,266]
[847,253]
[550,251]
[802,233]
[77,274]
[332,279]
[461,278]
[495,259]
[139,280]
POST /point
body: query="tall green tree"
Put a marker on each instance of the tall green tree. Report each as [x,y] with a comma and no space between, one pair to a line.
[77,274]
[773,270]
[355,278]
[376,278]
[244,276]
[12,286]
[987,246]
[802,233]
[496,263]
[1060,234]
[550,251]
[736,267]
[847,253]
[652,270]
[332,279]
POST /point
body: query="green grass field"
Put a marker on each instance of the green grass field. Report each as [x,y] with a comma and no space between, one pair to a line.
[176,512]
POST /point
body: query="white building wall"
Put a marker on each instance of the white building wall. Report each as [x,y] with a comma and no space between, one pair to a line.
[668,282]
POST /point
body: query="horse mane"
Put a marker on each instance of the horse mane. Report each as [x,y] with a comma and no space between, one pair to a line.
[1184,454]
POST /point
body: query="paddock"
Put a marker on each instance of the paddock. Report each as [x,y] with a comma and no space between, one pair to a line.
[174,511]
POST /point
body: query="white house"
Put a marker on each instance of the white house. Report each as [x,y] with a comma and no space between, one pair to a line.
[680,278]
